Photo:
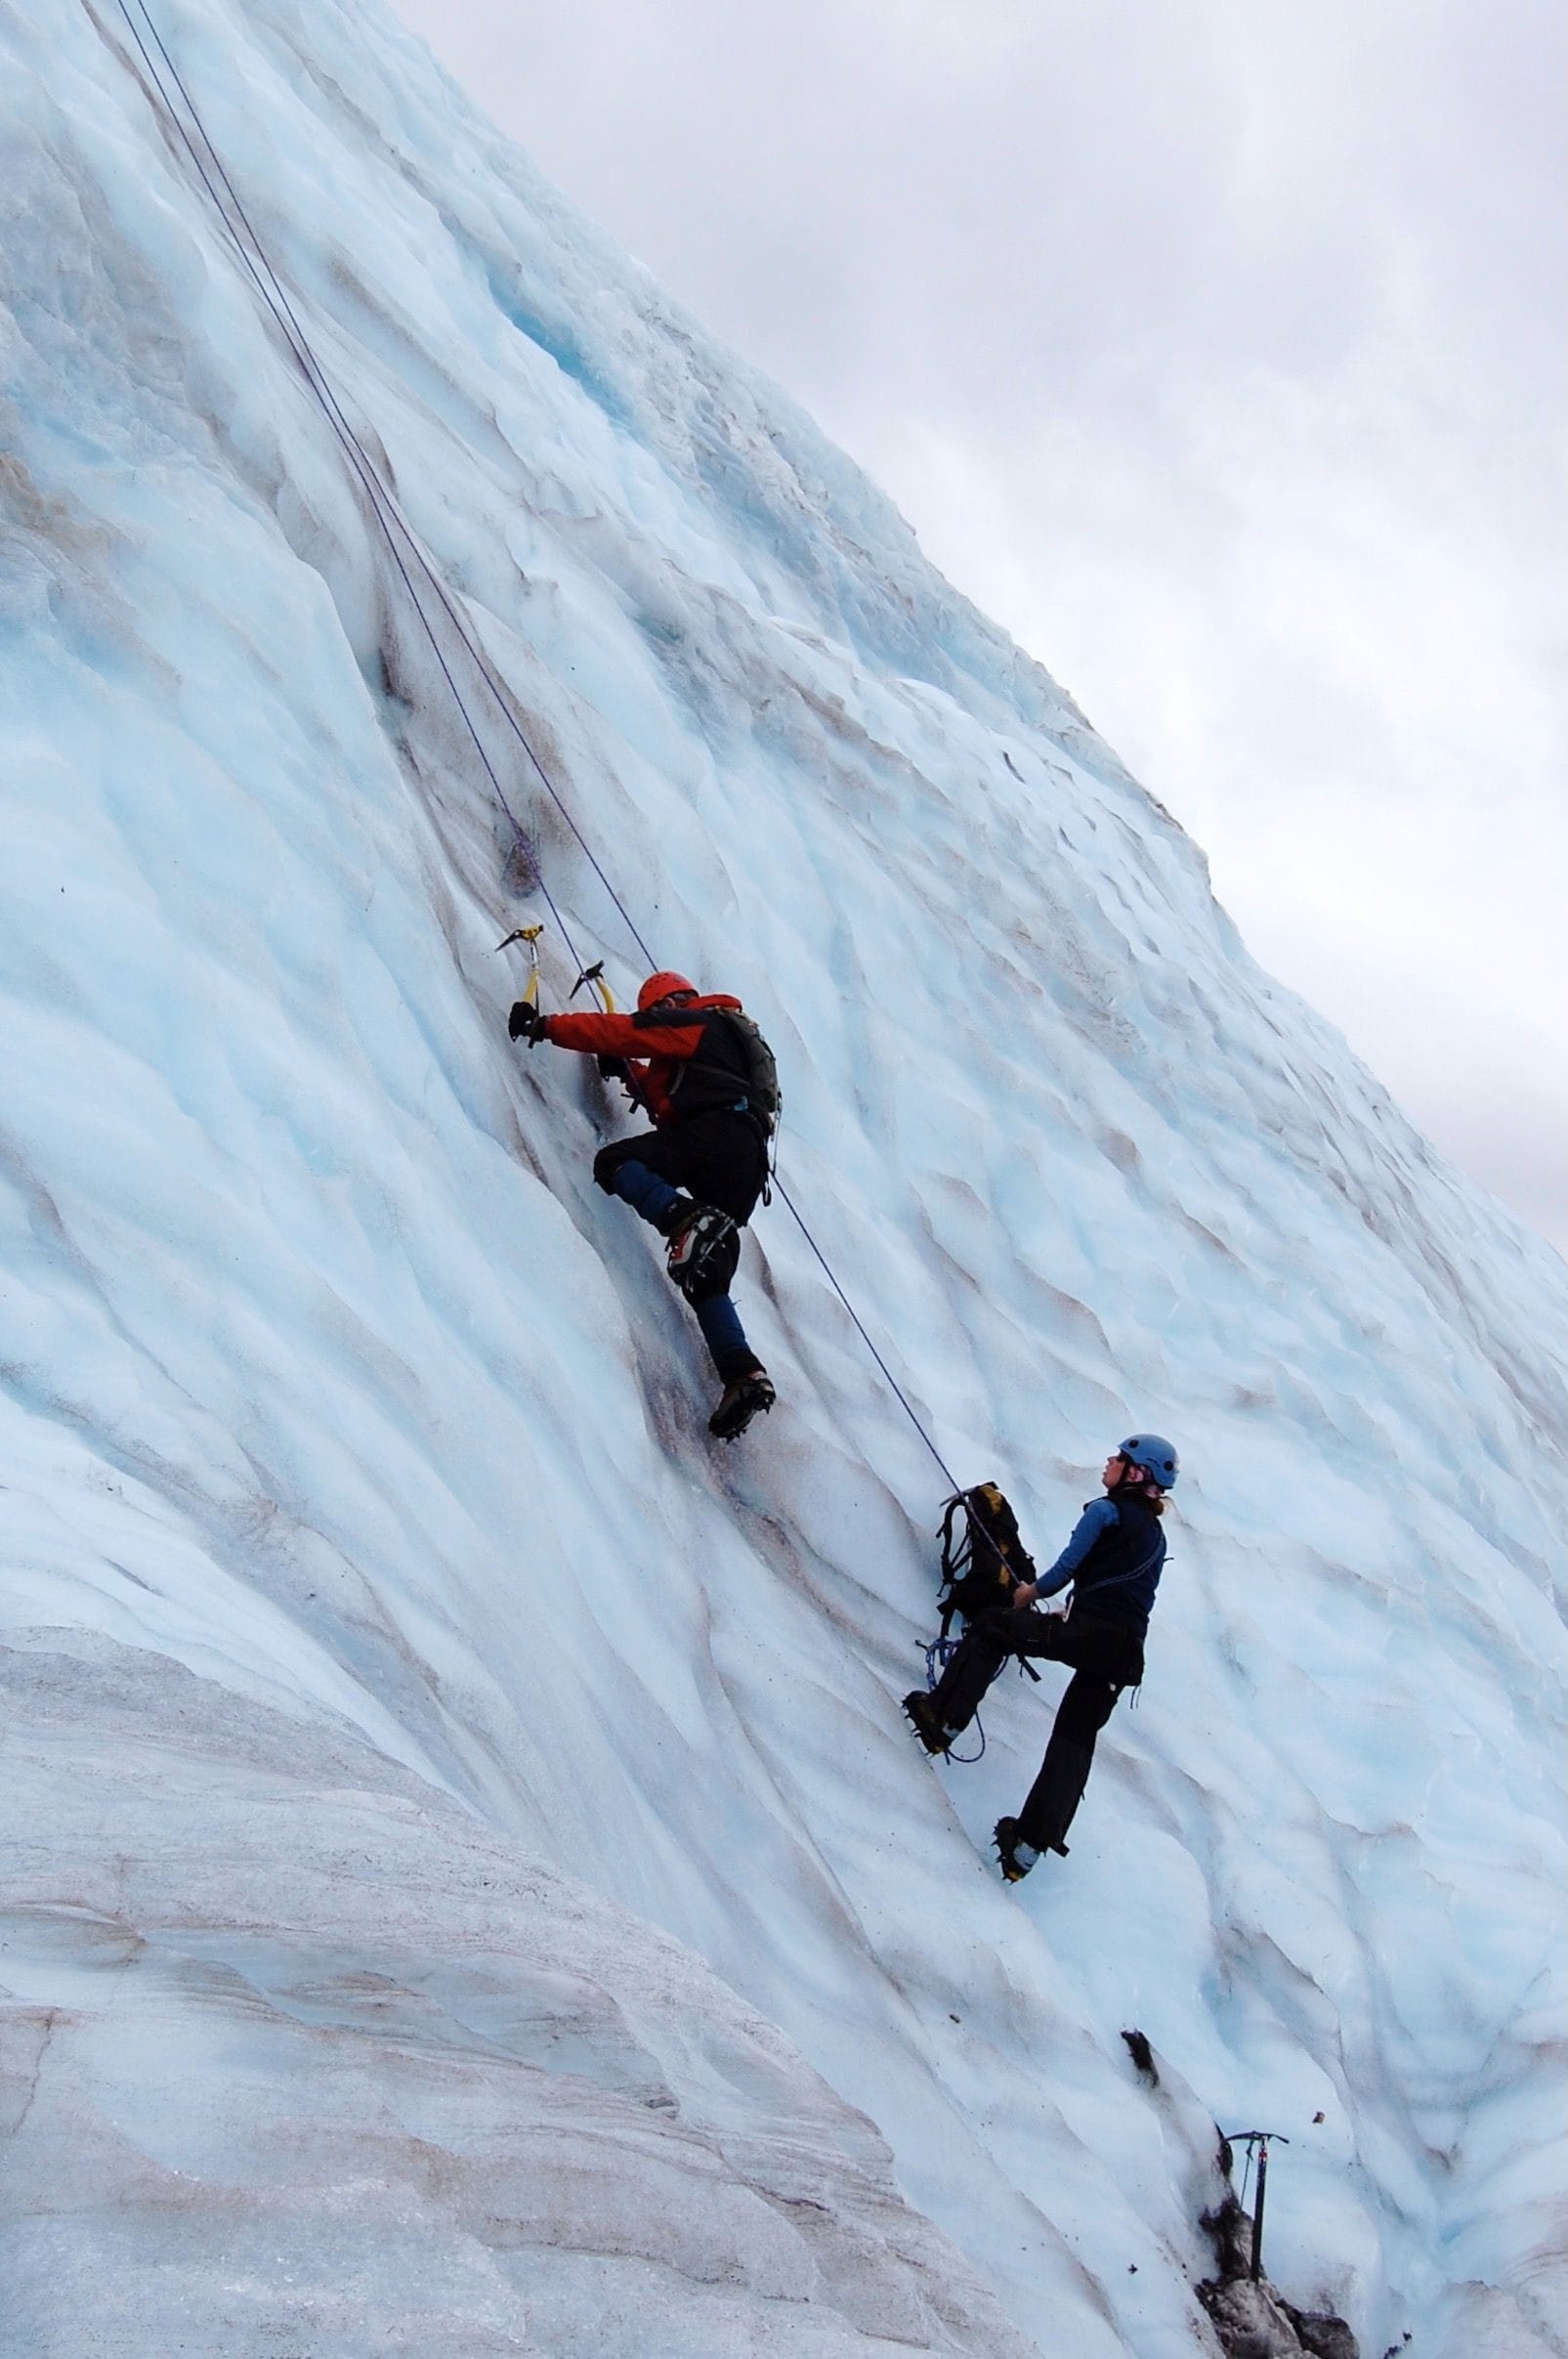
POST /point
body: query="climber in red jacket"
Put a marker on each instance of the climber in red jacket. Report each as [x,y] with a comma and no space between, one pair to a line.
[702,1070]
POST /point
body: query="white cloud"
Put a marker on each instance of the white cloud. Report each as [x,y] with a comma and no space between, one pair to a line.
[1218,353]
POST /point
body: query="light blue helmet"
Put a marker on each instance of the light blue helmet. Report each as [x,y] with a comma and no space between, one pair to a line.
[1156,1457]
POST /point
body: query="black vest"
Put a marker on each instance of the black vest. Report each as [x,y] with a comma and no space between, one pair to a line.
[1118,1578]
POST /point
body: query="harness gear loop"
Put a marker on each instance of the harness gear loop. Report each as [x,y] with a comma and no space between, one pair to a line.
[530,935]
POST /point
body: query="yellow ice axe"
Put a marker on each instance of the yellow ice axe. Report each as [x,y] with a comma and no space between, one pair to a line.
[530,935]
[595,975]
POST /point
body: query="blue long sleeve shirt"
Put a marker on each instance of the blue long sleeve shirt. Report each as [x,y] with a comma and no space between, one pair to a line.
[1115,1558]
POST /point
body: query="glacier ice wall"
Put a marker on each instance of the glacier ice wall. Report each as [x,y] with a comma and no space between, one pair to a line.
[362,1538]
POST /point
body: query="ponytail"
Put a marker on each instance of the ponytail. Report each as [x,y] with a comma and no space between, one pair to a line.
[1144,1486]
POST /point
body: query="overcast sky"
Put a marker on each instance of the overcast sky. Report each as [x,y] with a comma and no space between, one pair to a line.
[1216,348]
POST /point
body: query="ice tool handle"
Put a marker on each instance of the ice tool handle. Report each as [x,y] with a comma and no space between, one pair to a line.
[1256,2143]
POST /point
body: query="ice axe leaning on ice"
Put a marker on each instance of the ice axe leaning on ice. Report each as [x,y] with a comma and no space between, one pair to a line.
[698,1066]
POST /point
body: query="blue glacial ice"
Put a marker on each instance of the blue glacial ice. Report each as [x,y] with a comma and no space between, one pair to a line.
[466,1887]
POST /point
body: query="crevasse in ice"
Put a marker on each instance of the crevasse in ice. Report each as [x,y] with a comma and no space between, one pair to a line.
[466,1885]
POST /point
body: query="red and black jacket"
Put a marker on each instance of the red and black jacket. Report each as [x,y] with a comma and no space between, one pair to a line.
[682,1060]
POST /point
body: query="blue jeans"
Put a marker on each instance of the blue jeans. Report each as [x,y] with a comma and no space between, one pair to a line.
[652,1199]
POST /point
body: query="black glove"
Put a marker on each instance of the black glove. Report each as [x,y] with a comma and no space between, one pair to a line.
[525,1023]
[613,1068]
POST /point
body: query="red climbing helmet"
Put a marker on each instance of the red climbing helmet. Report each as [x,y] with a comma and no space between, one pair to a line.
[663,986]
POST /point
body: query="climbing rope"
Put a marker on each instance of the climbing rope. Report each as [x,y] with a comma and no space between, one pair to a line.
[892,1384]
[387,512]
[393,523]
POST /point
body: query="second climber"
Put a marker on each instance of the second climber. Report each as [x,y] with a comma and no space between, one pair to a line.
[700,1068]
[1114,1561]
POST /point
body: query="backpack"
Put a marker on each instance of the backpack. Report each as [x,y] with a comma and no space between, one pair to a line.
[762,1071]
[701,1083]
[983,1555]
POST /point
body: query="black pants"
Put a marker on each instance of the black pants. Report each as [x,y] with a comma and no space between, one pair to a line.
[1106,1657]
[721,1160]
[718,1158]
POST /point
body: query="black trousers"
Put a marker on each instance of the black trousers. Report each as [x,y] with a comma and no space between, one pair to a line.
[721,1160]
[718,1158]
[1106,1657]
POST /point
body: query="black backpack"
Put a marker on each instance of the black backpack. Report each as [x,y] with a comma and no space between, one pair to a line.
[747,1067]
[983,1557]
[762,1075]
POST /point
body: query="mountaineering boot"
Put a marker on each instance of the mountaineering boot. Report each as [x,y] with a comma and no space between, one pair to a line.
[749,1396]
[920,1712]
[1014,1868]
[703,1249]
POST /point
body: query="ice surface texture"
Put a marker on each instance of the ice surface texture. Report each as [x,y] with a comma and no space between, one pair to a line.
[362,1540]
[344,2070]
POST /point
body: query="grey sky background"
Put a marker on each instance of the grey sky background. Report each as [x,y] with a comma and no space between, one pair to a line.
[1218,351]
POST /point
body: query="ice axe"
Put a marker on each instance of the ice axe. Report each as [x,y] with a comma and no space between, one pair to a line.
[595,975]
[530,935]
[1256,2143]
